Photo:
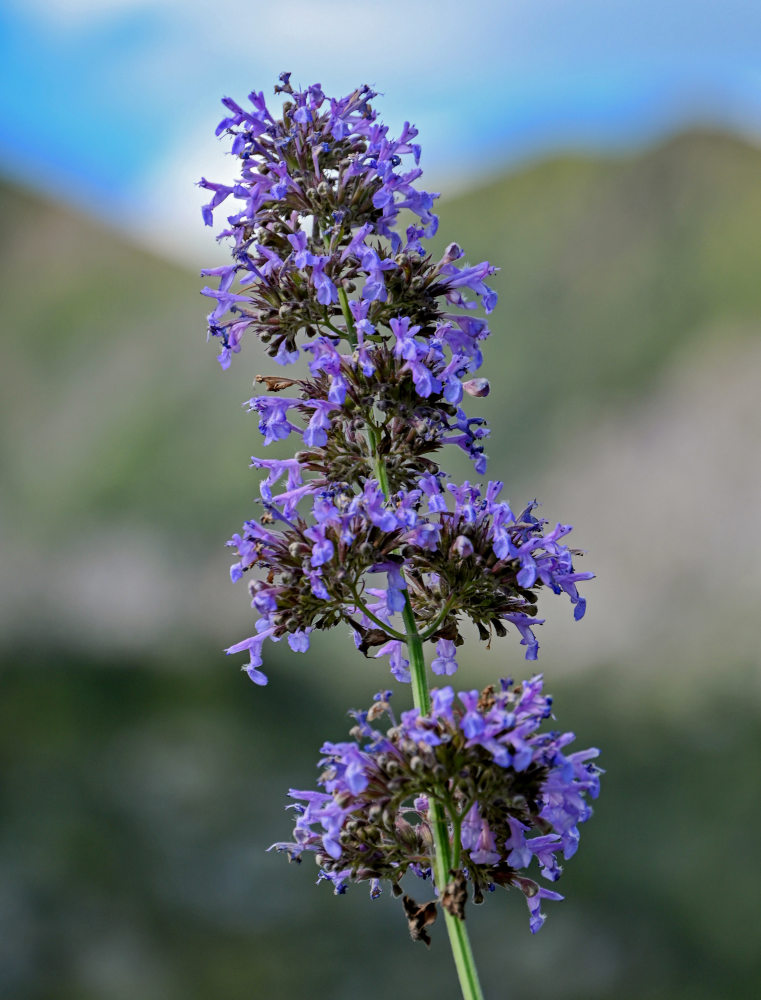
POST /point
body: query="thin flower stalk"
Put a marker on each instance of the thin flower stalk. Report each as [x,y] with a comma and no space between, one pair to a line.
[443,860]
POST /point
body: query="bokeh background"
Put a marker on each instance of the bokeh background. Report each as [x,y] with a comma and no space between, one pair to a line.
[605,154]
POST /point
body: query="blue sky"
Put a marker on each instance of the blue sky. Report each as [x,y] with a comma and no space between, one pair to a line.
[111,104]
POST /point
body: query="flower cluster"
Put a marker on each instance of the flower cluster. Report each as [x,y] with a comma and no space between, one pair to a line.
[478,560]
[318,266]
[319,195]
[361,526]
[513,796]
[391,347]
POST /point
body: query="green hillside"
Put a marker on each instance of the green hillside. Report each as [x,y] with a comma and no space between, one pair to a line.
[137,806]
[107,389]
[609,266]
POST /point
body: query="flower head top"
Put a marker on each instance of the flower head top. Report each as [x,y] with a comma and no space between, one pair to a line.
[513,796]
[319,196]
[391,346]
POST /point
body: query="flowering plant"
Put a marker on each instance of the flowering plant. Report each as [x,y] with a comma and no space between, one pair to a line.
[494,777]
[367,529]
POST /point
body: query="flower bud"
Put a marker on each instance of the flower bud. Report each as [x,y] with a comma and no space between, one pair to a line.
[477,387]
[462,546]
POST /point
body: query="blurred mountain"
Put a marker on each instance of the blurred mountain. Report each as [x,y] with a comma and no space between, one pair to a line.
[610,267]
[625,341]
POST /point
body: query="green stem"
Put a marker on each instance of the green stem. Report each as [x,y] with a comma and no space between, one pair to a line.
[381,473]
[351,333]
[425,636]
[420,695]
[390,632]
[343,298]
[456,843]
[442,861]
[331,326]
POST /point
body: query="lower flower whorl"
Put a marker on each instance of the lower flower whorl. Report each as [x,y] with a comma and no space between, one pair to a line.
[510,794]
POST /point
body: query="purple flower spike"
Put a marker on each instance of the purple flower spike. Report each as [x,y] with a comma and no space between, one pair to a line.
[363,529]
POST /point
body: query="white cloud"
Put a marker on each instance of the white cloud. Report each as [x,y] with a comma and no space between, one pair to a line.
[170,202]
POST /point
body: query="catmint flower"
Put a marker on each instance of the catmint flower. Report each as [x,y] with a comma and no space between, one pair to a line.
[399,664]
[462,547]
[444,662]
[322,227]
[392,349]
[362,528]
[487,564]
[513,796]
